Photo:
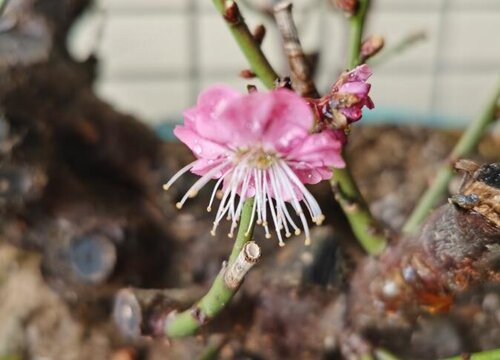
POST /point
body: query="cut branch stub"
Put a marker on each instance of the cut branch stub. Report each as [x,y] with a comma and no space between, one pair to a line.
[235,273]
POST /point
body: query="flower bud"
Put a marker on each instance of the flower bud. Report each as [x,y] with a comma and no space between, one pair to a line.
[349,6]
[371,47]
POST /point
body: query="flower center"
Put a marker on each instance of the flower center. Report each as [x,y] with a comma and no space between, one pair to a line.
[257,158]
[262,160]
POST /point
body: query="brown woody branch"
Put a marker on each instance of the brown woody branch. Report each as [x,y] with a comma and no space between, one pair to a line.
[455,250]
[300,68]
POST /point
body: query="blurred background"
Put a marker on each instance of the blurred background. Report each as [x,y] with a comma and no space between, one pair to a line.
[156,55]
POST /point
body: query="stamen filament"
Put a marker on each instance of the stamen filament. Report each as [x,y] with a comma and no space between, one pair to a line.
[178,174]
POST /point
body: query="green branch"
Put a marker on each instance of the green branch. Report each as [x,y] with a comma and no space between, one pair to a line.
[252,51]
[218,296]
[484,355]
[363,224]
[465,145]
[356,25]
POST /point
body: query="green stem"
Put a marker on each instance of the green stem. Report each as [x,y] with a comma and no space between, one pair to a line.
[218,296]
[356,25]
[212,351]
[484,355]
[363,224]
[382,354]
[465,145]
[252,51]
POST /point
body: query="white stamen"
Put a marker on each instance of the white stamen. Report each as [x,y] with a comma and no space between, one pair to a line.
[281,203]
[252,218]
[217,184]
[178,174]
[274,183]
[202,181]
[285,180]
[309,200]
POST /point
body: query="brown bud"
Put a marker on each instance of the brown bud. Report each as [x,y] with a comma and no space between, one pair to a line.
[259,33]
[251,88]
[283,83]
[231,12]
[247,74]
[371,47]
[349,6]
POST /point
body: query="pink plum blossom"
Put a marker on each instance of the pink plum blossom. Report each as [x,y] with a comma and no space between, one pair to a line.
[344,104]
[258,145]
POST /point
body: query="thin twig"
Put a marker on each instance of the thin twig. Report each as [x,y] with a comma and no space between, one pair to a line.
[465,145]
[364,225]
[302,81]
[252,51]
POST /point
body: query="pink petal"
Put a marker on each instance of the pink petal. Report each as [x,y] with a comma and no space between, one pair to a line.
[353,113]
[313,176]
[369,103]
[358,88]
[246,118]
[318,150]
[200,146]
[291,119]
[360,73]
[206,115]
[273,119]
[203,166]
[216,98]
